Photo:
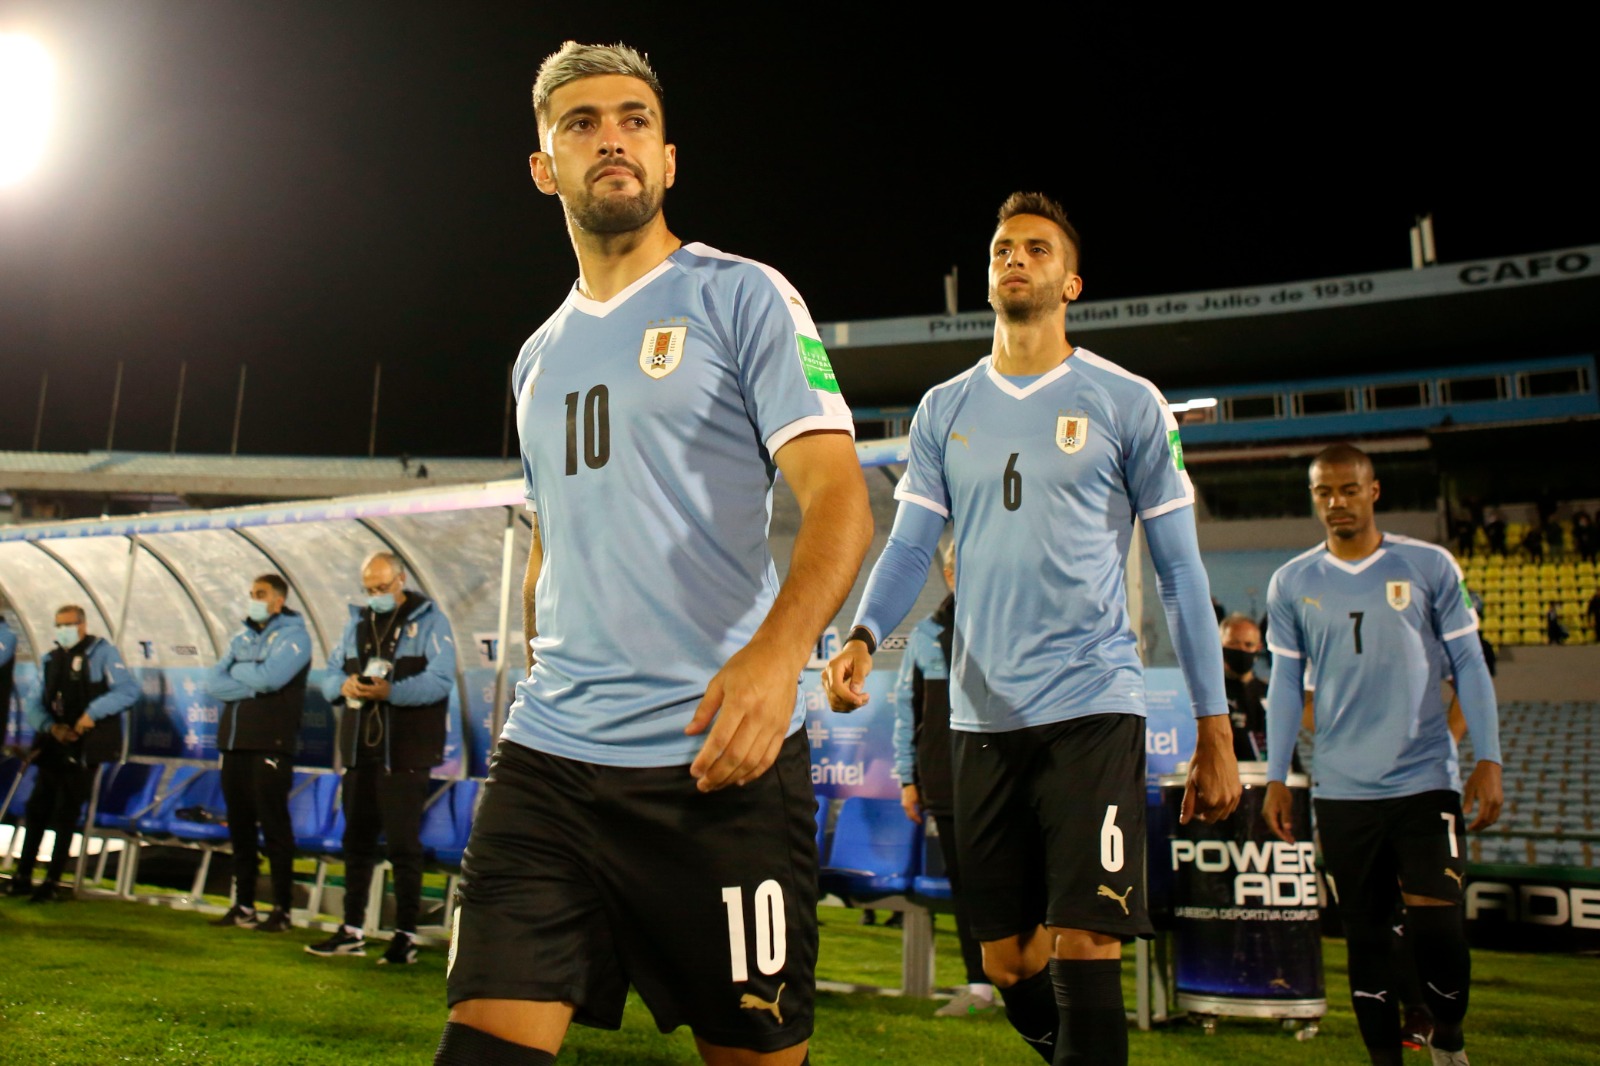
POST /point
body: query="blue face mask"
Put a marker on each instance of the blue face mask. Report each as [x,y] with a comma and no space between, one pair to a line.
[258,611]
[66,636]
[381,604]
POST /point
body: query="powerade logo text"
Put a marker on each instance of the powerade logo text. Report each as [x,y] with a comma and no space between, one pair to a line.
[1266,873]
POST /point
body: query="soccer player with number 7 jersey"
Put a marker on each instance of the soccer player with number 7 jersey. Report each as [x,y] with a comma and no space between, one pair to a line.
[1042,456]
[649,817]
[1379,616]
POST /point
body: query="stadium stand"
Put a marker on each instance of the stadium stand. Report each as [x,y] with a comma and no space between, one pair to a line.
[1552,787]
[1517,592]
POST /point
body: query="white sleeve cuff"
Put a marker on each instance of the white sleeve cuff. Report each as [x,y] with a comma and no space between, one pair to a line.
[1448,637]
[810,424]
[1285,652]
[907,496]
[1166,508]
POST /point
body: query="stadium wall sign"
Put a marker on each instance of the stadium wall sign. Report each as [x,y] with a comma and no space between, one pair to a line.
[1319,294]
[1533,908]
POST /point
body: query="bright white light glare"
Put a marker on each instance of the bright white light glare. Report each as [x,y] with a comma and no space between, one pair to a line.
[1194,405]
[27,105]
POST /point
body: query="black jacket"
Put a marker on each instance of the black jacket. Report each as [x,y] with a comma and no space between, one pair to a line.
[402,736]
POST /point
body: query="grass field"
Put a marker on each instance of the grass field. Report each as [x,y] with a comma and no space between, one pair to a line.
[104,981]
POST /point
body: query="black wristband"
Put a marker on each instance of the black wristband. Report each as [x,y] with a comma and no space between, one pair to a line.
[864,635]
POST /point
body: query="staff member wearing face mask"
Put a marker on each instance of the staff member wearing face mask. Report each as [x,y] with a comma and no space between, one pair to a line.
[261,680]
[77,724]
[1247,693]
[393,669]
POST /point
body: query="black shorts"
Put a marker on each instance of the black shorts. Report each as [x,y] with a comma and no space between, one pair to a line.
[580,880]
[1050,827]
[1376,849]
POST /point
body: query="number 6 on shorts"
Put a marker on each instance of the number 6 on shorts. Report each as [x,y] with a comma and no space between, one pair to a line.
[1110,841]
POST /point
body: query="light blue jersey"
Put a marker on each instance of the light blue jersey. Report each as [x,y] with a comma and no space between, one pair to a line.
[1375,636]
[1044,479]
[648,425]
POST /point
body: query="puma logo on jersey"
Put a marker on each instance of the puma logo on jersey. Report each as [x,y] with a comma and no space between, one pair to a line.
[1460,882]
[753,1002]
[1278,982]
[962,437]
[1442,992]
[1317,603]
[1122,900]
[272,762]
[796,301]
[1379,996]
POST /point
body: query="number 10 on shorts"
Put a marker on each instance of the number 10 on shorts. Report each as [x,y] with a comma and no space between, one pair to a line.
[771,929]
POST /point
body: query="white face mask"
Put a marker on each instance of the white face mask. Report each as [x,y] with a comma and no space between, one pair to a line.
[66,636]
[257,611]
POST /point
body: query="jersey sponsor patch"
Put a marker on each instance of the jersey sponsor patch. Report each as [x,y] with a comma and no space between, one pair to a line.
[1398,594]
[662,350]
[1466,597]
[814,361]
[1072,430]
[1176,447]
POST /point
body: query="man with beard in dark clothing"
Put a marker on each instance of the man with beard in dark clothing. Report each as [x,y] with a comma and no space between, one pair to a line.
[77,725]
[393,668]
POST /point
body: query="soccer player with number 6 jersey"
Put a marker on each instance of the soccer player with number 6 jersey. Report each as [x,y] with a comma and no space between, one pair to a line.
[1379,617]
[1043,456]
[648,817]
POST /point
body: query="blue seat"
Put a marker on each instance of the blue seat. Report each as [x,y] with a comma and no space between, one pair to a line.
[331,843]
[157,822]
[313,807]
[932,884]
[19,799]
[874,851]
[447,823]
[203,797]
[127,790]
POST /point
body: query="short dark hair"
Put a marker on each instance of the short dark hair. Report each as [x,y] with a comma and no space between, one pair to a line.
[1037,203]
[573,61]
[273,582]
[1340,454]
[73,608]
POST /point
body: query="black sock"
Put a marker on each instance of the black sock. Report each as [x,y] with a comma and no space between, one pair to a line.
[462,1045]
[1445,966]
[1031,1010]
[1094,1027]
[1373,992]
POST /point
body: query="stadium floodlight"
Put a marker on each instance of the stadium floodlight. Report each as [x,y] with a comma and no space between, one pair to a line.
[27,105]
[1194,405]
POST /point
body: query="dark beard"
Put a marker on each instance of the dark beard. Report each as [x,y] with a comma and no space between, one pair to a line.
[1022,310]
[609,215]
[1345,532]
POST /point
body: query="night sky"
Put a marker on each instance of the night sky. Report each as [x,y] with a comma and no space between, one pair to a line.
[311,188]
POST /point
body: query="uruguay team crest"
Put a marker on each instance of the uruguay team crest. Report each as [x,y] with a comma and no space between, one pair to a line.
[1072,429]
[662,350]
[1399,593]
